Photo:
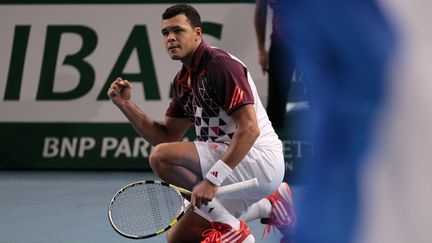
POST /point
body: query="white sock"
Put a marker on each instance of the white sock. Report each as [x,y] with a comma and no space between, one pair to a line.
[217,212]
[260,209]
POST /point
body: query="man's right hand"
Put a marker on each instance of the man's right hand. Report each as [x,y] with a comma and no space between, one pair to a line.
[119,91]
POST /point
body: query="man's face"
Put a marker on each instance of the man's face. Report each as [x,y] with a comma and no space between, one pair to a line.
[180,38]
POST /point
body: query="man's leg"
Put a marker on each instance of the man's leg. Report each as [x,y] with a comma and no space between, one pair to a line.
[280,75]
[176,163]
[179,163]
[189,229]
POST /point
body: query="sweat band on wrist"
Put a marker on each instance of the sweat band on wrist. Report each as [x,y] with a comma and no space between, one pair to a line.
[218,173]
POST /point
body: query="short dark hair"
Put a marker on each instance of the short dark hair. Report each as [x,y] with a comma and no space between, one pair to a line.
[190,12]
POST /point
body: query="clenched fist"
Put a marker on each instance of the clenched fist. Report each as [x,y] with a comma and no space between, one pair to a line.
[119,91]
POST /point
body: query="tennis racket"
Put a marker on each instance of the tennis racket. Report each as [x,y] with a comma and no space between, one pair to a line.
[144,209]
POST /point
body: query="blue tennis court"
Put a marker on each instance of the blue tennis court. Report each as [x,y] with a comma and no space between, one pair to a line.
[65,206]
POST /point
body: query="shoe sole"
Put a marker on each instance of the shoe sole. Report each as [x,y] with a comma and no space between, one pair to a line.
[249,239]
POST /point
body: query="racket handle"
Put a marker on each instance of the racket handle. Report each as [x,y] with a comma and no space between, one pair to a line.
[238,186]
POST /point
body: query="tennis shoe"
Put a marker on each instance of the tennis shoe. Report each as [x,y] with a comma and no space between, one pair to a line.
[282,214]
[224,233]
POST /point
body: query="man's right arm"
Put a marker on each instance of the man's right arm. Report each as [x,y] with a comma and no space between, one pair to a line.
[173,129]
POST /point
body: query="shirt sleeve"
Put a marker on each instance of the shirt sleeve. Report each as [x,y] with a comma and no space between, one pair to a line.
[175,109]
[232,85]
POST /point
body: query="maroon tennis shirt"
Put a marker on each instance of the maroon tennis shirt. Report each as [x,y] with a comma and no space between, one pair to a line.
[219,85]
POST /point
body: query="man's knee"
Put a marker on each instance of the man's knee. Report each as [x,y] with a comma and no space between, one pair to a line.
[158,157]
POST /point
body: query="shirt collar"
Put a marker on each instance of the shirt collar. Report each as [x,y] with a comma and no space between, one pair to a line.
[196,59]
[197,56]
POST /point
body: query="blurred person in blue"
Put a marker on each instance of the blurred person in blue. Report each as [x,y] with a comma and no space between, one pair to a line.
[343,49]
[397,183]
[277,61]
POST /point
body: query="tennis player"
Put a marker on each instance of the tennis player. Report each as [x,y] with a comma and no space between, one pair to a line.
[215,93]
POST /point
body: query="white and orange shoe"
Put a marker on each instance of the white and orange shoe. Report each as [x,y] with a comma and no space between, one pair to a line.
[282,215]
[223,233]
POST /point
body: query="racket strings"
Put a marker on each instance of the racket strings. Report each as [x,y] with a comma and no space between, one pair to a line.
[145,209]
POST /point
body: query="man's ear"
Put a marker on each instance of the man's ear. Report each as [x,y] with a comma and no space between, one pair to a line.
[198,31]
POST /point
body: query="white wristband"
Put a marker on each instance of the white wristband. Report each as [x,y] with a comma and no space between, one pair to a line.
[218,173]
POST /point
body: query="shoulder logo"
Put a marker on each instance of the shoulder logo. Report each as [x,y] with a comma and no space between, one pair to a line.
[237,97]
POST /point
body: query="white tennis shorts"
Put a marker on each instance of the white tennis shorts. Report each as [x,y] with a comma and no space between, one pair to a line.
[266,164]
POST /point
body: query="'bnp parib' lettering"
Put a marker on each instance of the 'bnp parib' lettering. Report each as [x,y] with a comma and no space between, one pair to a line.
[67,147]
[80,147]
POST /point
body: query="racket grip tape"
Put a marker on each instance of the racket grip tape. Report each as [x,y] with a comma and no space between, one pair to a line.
[238,186]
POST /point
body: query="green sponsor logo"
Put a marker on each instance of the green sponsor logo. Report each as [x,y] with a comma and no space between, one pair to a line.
[138,41]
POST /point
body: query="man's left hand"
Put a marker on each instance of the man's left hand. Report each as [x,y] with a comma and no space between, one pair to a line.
[203,193]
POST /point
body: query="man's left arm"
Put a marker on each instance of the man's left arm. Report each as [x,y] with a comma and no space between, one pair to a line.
[246,133]
[244,137]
